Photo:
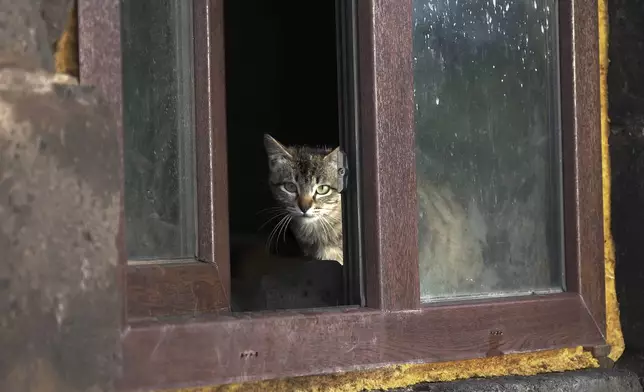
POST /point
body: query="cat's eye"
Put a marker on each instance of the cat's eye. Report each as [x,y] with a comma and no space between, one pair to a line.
[289,187]
[323,190]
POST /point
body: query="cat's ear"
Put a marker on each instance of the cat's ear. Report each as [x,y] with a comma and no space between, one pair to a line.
[335,160]
[275,148]
[276,152]
[333,155]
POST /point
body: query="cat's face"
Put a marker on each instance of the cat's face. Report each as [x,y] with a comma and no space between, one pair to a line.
[303,181]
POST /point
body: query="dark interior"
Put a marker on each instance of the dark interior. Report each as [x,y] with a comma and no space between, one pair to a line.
[281,79]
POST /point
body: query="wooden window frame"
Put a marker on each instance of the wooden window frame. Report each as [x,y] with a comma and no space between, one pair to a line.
[220,347]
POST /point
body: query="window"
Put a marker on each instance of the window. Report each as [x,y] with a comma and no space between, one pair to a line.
[158,114]
[462,121]
[486,89]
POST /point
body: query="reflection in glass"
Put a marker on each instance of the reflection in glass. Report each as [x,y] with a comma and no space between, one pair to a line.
[158,128]
[488,147]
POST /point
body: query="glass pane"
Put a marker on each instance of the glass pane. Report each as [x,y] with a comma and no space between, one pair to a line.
[158,128]
[488,147]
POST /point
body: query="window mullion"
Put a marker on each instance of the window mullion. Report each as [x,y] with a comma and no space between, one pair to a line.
[210,116]
[388,160]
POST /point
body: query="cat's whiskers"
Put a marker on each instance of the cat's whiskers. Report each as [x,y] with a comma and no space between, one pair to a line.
[326,227]
[276,230]
[285,227]
[320,224]
[332,218]
[333,223]
[329,211]
[279,214]
[272,234]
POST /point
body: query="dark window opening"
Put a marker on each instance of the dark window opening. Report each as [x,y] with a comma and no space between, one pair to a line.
[281,80]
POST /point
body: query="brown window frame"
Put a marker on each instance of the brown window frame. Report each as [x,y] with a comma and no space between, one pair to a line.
[222,347]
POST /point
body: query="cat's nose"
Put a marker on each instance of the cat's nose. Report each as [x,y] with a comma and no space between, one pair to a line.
[304,203]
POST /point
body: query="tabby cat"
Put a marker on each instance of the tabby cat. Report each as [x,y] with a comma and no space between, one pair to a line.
[303,181]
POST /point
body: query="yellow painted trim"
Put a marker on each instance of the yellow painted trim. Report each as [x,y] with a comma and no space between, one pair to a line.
[614,335]
[66,49]
[400,376]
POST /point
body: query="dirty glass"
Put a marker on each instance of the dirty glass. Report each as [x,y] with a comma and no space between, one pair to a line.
[488,147]
[158,128]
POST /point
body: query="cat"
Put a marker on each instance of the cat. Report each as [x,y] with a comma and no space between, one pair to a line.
[303,181]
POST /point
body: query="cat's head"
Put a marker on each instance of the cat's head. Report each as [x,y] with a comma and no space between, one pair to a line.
[303,180]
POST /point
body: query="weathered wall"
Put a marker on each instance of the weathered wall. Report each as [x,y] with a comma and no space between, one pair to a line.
[60,312]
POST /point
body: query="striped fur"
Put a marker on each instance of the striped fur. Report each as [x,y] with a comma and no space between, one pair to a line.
[303,184]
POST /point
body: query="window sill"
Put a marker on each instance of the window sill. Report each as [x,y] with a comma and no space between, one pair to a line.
[251,347]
